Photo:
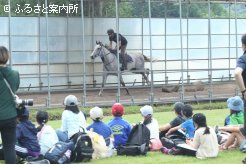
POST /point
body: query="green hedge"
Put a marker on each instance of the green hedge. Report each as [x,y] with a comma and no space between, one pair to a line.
[55,113]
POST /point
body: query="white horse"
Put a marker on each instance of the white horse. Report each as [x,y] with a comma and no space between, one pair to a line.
[110,64]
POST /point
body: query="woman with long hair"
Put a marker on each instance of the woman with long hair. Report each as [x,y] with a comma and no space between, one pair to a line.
[72,119]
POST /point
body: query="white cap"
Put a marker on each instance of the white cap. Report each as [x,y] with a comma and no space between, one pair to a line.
[96,112]
[146,110]
[70,100]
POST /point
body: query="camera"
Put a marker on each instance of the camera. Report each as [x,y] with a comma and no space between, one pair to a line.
[20,102]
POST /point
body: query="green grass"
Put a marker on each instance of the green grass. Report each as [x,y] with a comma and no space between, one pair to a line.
[214,117]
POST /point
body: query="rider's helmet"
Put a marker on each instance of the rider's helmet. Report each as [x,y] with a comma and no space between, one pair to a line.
[117,109]
[110,31]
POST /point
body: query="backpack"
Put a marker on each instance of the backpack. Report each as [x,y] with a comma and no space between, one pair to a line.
[172,140]
[57,152]
[222,137]
[83,149]
[33,160]
[137,143]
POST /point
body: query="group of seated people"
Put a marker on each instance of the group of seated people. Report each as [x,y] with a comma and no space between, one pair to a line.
[34,141]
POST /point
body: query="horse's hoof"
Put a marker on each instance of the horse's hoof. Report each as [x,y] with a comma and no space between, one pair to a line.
[127,94]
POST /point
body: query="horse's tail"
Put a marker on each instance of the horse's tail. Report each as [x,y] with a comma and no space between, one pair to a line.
[146,58]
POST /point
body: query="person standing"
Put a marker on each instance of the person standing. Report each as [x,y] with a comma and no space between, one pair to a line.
[240,75]
[122,46]
[8,107]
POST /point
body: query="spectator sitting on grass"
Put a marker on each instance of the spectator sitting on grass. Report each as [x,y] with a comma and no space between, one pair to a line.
[98,126]
[26,136]
[235,104]
[235,139]
[205,140]
[150,122]
[121,128]
[186,126]
[72,119]
[178,106]
[46,134]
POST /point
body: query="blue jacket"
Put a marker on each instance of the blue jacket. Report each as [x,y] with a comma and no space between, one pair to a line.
[121,130]
[102,129]
[26,135]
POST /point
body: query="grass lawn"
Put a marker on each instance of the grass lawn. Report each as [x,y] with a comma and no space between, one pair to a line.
[214,117]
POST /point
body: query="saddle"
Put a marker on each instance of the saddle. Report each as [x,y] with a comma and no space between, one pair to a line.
[128,57]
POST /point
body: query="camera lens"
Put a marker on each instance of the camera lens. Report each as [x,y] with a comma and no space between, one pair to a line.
[28,102]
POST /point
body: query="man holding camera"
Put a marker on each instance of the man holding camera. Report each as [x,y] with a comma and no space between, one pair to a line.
[8,107]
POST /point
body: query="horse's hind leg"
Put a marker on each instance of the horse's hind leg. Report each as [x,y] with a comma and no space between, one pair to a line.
[146,78]
[103,82]
[124,85]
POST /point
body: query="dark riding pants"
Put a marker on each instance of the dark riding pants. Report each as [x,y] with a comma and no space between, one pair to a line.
[123,56]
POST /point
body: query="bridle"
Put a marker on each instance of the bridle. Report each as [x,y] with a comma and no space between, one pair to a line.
[103,54]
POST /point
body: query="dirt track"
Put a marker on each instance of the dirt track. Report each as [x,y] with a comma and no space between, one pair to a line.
[138,95]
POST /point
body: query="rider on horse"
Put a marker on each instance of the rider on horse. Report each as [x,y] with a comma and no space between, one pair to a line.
[122,46]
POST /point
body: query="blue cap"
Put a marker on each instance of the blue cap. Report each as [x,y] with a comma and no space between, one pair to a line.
[235,103]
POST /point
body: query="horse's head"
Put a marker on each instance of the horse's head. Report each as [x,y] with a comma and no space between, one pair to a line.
[96,52]
[99,50]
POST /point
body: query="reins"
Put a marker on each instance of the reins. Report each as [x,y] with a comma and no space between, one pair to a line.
[102,57]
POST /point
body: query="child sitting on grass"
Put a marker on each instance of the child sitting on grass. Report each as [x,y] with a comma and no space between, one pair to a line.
[121,128]
[177,108]
[186,126]
[205,140]
[98,126]
[235,105]
[26,136]
[149,121]
[46,134]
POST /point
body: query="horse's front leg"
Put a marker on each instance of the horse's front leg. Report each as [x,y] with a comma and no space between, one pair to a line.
[103,82]
[124,85]
[146,78]
[145,75]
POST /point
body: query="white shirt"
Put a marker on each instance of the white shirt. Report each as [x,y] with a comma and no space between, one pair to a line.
[153,128]
[206,144]
[47,138]
[72,122]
